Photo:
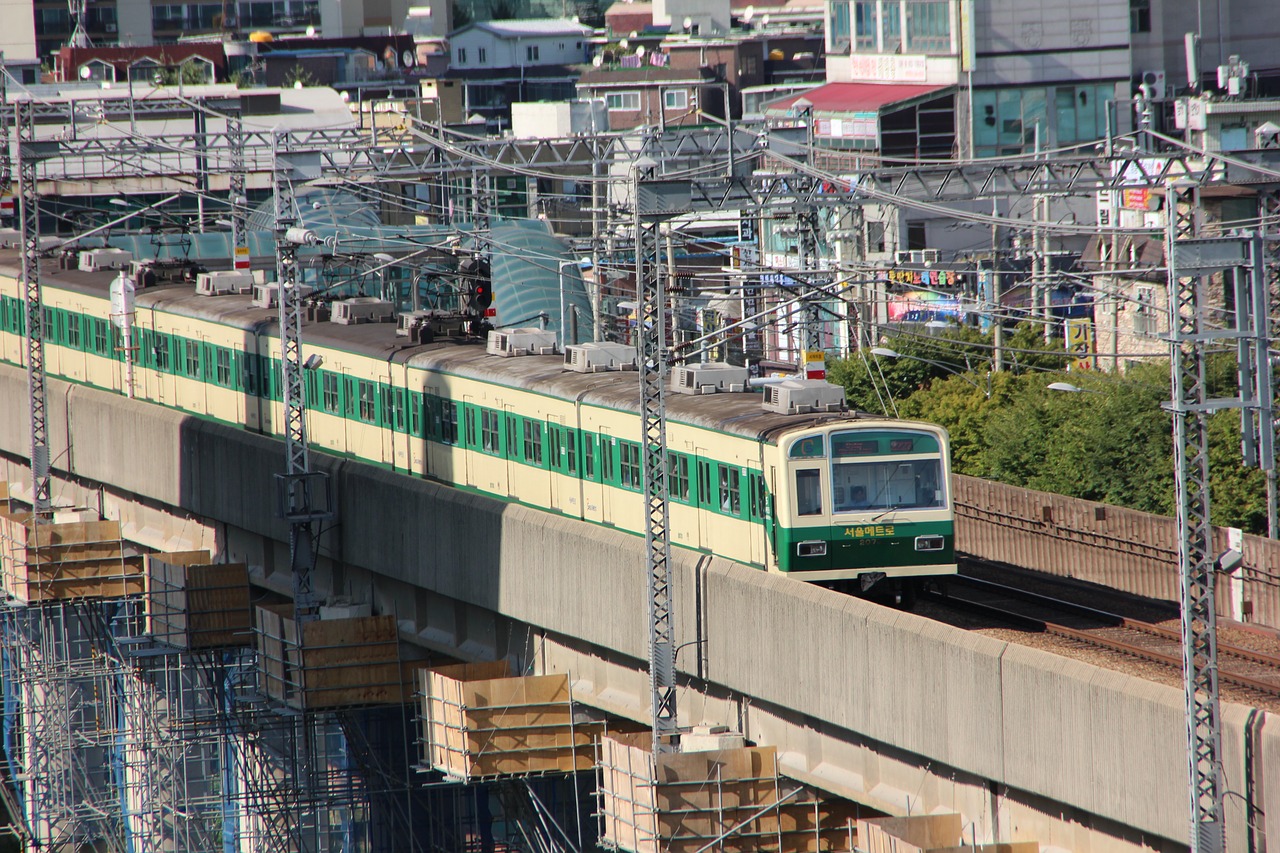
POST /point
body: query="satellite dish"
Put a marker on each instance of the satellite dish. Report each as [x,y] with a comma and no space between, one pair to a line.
[597,60]
[764,20]
[749,14]
[634,34]
[639,50]
[688,23]
[311,32]
[624,44]
[85,72]
[408,59]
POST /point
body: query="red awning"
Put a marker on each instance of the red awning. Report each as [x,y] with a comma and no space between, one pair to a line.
[840,98]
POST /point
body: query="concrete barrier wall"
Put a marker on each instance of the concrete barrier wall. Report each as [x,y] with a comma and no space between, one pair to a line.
[1092,740]
[1109,545]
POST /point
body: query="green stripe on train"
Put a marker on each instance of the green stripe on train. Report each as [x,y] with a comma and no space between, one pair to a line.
[866,545]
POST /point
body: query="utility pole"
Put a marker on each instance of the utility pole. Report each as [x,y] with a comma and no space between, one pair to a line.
[1266,315]
[29,224]
[997,327]
[237,195]
[653,352]
[1191,261]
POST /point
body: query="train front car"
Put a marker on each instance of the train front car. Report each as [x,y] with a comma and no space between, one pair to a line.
[865,504]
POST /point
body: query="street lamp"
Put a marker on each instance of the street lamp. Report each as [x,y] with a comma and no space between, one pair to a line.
[1068,388]
[885,352]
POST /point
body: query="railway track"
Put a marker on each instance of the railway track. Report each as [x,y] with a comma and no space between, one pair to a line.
[1244,668]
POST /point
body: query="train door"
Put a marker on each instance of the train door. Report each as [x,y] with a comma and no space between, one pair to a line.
[468,441]
[705,498]
[511,449]
[561,467]
[755,506]
[608,452]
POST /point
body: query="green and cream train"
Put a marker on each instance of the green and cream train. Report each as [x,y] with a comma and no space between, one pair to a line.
[820,496]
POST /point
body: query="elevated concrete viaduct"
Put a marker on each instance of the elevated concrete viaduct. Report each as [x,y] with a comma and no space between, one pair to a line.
[883,707]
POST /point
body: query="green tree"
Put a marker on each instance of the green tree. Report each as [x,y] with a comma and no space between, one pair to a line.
[299,75]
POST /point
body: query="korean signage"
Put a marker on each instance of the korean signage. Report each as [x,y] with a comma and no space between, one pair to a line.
[889,68]
[858,126]
[921,306]
[925,277]
[1079,339]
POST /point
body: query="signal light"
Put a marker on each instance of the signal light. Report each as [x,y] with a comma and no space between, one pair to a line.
[481,294]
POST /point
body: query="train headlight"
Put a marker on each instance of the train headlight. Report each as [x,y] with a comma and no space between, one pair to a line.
[930,543]
[812,548]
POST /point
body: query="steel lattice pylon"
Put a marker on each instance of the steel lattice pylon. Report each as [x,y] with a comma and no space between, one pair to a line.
[651,336]
[29,217]
[1195,556]
[239,201]
[297,482]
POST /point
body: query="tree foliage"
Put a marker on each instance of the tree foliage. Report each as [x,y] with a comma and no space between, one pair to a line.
[1111,443]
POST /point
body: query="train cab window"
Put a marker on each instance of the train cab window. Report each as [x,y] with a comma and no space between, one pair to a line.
[808,491]
[809,447]
[730,493]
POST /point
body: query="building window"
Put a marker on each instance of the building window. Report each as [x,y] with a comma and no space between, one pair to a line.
[864,25]
[928,26]
[462,56]
[482,54]
[622,102]
[675,99]
[531,53]
[1139,16]
[1144,314]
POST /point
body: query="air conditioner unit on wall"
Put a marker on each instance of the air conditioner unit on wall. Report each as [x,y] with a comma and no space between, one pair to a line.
[1156,80]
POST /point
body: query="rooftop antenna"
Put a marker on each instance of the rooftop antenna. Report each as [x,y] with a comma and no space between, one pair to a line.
[79,35]
[1192,42]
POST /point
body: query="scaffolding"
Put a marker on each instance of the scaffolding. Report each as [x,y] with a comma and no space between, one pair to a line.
[725,800]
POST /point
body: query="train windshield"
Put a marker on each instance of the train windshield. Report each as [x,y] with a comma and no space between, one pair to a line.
[884,485]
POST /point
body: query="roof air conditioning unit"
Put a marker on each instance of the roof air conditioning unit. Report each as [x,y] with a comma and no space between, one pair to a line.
[801,396]
[930,256]
[410,320]
[267,295]
[362,309]
[902,257]
[597,357]
[223,282]
[94,260]
[708,378]
[515,342]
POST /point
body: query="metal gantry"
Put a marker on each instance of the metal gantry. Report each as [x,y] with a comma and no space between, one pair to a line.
[1191,261]
[28,153]
[651,337]
[237,181]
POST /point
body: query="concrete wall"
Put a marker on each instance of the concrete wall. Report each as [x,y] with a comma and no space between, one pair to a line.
[1095,746]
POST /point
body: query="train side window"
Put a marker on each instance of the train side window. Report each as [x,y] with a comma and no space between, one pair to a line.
[329,394]
[368,410]
[415,414]
[588,456]
[730,494]
[489,440]
[398,406]
[606,459]
[470,417]
[678,476]
[808,492]
[73,330]
[449,422]
[629,460]
[571,451]
[753,492]
[704,483]
[513,451]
